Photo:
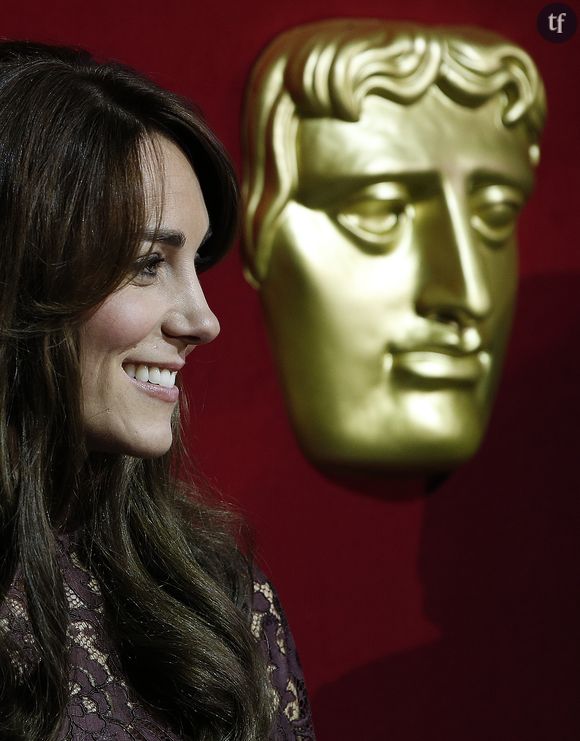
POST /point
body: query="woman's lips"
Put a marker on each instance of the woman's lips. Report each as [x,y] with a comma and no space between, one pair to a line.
[170,395]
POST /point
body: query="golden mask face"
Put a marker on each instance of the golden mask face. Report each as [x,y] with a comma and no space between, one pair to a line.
[391,279]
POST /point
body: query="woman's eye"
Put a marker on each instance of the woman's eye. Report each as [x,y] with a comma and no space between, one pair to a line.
[377,223]
[202,262]
[147,267]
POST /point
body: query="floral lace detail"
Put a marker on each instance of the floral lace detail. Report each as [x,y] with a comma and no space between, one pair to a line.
[270,627]
[14,622]
[102,705]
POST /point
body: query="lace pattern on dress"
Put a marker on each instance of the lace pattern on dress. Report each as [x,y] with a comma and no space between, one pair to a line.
[270,627]
[102,705]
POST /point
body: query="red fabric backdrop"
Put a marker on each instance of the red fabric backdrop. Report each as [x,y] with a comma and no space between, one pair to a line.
[453,616]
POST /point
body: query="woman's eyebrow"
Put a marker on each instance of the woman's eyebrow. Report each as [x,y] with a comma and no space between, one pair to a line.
[171,237]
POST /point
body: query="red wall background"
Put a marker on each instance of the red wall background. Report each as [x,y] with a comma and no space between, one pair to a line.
[451,616]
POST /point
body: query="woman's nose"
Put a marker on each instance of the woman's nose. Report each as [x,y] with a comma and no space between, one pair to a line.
[191,319]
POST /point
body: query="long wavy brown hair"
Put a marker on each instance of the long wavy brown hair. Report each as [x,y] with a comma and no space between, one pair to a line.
[176,583]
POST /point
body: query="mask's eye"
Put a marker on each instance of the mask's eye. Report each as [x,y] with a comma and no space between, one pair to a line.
[376,216]
[495,211]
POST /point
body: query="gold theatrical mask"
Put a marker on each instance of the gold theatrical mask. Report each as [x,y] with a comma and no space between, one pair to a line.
[385,169]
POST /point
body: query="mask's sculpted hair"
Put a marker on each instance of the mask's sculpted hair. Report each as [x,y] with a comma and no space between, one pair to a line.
[75,136]
[327,69]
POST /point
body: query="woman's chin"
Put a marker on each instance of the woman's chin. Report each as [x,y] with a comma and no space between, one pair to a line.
[148,445]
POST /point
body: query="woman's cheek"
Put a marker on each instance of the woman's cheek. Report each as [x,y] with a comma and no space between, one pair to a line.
[123,320]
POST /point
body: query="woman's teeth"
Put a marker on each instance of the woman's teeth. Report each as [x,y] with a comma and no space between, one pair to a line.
[152,374]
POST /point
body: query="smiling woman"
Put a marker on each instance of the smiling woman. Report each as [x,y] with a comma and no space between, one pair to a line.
[128,609]
[134,344]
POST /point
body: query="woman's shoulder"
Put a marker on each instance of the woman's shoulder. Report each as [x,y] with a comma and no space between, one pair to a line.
[270,627]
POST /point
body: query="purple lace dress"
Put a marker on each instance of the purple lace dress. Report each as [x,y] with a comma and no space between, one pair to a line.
[102,706]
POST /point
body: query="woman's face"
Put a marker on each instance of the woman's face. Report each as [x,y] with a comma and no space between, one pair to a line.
[140,336]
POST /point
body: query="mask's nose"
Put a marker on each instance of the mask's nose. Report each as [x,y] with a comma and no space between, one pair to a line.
[454,284]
